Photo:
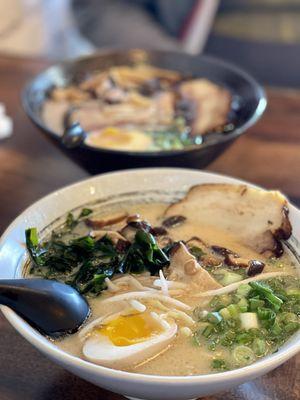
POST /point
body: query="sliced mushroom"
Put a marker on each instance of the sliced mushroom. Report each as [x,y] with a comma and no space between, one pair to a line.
[196,241]
[259,218]
[100,223]
[158,231]
[133,217]
[133,226]
[185,268]
[174,221]
[208,258]
[236,261]
[223,251]
[253,267]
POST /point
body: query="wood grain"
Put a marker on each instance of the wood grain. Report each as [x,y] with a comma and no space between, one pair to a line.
[31,167]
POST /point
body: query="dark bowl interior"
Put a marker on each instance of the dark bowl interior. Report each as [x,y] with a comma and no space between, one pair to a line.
[249,100]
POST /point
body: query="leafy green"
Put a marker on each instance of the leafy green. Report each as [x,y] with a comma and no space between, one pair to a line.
[143,254]
[72,222]
[219,364]
[85,212]
[197,252]
[85,262]
[32,244]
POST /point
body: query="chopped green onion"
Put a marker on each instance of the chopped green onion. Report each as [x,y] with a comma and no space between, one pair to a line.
[212,344]
[267,293]
[233,310]
[228,338]
[249,320]
[219,302]
[243,290]
[243,305]
[259,347]
[230,277]
[275,329]
[208,331]
[243,355]
[214,317]
[291,327]
[261,287]
[267,315]
[287,317]
[225,299]
[254,303]
[32,236]
[244,338]
[196,340]
[293,293]
[219,364]
[225,314]
[275,301]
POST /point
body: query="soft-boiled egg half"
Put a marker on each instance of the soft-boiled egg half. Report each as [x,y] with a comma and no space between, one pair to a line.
[125,340]
[119,139]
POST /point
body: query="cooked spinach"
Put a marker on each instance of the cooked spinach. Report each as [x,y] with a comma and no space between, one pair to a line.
[72,222]
[85,262]
[143,254]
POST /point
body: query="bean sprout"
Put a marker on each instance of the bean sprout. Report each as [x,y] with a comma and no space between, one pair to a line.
[234,286]
[164,284]
[145,295]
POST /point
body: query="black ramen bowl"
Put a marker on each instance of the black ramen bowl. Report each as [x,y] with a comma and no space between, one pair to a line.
[248,105]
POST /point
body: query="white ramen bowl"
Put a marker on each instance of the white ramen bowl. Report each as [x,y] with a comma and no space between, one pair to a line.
[167,183]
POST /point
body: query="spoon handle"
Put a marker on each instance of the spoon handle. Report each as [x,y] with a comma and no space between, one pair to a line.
[12,291]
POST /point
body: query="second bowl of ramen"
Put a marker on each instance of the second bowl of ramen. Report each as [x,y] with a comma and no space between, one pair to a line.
[144,108]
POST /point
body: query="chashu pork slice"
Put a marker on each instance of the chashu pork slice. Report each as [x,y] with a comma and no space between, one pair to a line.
[210,103]
[136,110]
[257,217]
[185,268]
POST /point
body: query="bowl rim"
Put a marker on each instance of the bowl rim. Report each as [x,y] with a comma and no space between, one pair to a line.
[45,345]
[256,115]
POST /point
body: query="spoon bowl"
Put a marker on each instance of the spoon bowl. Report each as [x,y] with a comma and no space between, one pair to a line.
[55,309]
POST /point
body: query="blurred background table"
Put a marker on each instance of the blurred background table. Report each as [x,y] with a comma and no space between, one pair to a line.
[31,167]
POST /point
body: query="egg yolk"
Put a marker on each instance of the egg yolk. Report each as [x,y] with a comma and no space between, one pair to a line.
[131,329]
[115,138]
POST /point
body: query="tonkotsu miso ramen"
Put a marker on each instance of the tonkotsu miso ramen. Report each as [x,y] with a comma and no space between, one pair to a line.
[207,284]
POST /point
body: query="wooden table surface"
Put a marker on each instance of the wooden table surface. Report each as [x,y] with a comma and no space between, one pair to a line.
[31,167]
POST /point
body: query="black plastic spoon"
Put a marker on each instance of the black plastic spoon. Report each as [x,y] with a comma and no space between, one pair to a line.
[73,136]
[52,307]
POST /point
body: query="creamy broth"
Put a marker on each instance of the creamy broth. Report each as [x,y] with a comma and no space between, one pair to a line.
[182,356]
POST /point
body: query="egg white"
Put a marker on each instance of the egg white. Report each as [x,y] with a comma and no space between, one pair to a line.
[100,350]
